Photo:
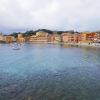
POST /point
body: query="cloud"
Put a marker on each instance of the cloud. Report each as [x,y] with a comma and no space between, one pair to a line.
[81,15]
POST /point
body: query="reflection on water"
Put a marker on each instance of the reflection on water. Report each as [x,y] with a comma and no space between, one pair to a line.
[49,72]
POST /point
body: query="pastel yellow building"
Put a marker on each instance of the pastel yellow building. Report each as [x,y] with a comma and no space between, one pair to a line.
[39,37]
[57,38]
[65,37]
[20,38]
[41,34]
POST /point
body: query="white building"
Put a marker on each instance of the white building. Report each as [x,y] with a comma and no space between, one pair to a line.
[1,37]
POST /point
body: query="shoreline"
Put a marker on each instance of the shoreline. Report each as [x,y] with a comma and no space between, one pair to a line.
[73,44]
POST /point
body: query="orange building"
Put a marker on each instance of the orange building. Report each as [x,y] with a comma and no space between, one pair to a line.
[71,37]
[88,37]
[77,37]
[68,37]
[51,38]
[9,39]
[65,37]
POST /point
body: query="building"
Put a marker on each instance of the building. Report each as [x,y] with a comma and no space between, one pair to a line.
[1,37]
[88,37]
[20,38]
[65,37]
[71,37]
[20,35]
[77,37]
[51,38]
[33,38]
[68,37]
[27,38]
[9,38]
[97,37]
[39,37]
[57,38]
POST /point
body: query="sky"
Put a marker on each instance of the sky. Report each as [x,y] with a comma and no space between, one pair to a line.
[23,15]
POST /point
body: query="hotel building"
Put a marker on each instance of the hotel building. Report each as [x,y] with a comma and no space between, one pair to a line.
[88,37]
[39,37]
[20,38]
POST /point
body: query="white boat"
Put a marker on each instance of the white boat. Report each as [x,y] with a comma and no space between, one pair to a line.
[16,46]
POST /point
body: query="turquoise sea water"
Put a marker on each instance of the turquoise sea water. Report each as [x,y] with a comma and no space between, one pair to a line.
[49,72]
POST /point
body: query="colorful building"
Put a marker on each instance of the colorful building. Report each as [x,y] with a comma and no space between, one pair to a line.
[68,37]
[65,37]
[39,37]
[88,37]
[20,38]
[51,38]
[9,39]
[77,37]
[97,37]
[57,37]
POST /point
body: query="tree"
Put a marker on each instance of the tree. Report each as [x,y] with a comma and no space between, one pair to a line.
[15,34]
[29,33]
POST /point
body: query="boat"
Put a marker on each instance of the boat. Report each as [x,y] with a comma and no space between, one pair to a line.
[16,46]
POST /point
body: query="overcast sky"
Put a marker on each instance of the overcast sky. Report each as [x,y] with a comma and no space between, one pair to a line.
[22,15]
